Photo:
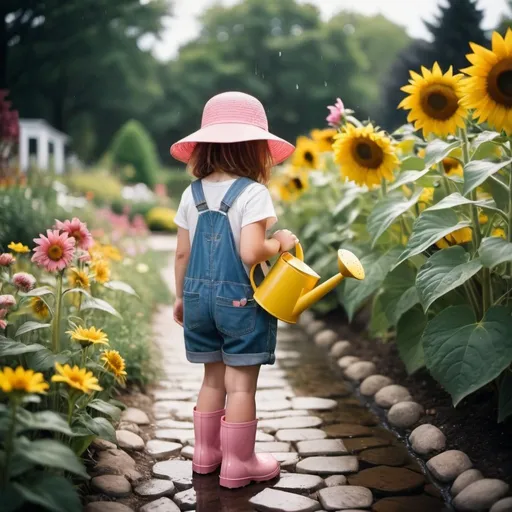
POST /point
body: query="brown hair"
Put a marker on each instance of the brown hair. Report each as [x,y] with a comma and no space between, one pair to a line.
[251,159]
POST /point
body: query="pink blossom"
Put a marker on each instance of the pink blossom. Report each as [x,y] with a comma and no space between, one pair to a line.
[54,251]
[85,257]
[6,259]
[7,301]
[78,230]
[336,113]
[24,282]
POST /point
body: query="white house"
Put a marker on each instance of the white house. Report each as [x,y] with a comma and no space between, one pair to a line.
[46,136]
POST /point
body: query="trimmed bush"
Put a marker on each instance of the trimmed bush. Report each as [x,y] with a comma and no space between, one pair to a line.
[161,219]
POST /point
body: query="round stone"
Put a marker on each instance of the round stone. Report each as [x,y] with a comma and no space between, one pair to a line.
[480,495]
[272,426]
[155,488]
[160,450]
[360,370]
[359,444]
[374,383]
[114,486]
[345,361]
[388,480]
[335,480]
[160,505]
[273,500]
[391,395]
[293,435]
[186,500]
[129,441]
[187,452]
[405,414]
[347,430]
[306,318]
[504,505]
[328,465]
[340,349]
[102,444]
[134,415]
[447,466]
[172,434]
[313,403]
[408,504]
[465,479]
[168,394]
[326,338]
[345,496]
[261,437]
[321,447]
[288,460]
[180,425]
[274,446]
[315,327]
[387,456]
[273,405]
[427,439]
[299,483]
[131,427]
[107,506]
[179,471]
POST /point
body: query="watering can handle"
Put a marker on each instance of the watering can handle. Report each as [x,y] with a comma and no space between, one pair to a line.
[299,253]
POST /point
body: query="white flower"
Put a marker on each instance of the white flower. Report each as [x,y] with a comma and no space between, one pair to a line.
[142,268]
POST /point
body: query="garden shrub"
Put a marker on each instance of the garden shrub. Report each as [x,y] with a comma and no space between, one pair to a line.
[176,181]
[99,185]
[161,219]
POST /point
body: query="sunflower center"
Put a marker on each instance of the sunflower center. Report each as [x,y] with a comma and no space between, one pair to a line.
[499,83]
[55,252]
[297,183]
[308,156]
[368,154]
[439,102]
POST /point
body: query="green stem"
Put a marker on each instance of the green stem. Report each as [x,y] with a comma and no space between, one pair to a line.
[71,406]
[9,441]
[509,227]
[473,299]
[56,316]
[384,187]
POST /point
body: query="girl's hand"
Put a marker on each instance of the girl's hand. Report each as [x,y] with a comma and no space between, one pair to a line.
[178,311]
[286,238]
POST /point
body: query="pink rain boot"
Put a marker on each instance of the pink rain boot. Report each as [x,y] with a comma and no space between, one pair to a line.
[207,452]
[240,465]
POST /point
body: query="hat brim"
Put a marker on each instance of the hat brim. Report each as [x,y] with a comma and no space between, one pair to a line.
[228,133]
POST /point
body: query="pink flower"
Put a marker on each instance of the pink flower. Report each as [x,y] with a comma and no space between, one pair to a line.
[3,325]
[7,301]
[78,230]
[55,250]
[24,282]
[6,259]
[85,257]
[336,113]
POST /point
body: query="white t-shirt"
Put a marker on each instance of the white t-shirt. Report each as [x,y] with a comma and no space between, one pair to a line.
[252,205]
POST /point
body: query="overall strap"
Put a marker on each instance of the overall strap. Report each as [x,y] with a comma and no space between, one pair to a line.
[198,194]
[233,192]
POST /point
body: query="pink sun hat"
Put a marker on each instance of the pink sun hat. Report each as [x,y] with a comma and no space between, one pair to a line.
[233,117]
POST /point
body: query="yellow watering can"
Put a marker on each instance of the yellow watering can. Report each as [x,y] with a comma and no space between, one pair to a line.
[290,286]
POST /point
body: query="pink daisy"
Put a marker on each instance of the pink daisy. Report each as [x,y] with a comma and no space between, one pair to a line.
[55,250]
[24,282]
[7,301]
[6,259]
[78,230]
[336,113]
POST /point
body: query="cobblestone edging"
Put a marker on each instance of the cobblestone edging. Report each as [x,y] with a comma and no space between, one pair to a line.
[468,489]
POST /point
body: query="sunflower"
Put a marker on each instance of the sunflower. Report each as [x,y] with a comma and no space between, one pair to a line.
[365,155]
[483,218]
[115,363]
[77,378]
[18,247]
[488,90]
[427,195]
[39,308]
[406,146]
[452,167]
[306,155]
[324,138]
[101,270]
[433,101]
[87,337]
[78,278]
[499,232]
[458,237]
[23,380]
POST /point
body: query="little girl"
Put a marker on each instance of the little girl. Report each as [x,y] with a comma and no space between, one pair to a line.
[222,222]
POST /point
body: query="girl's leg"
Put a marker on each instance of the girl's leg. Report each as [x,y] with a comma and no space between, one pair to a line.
[240,385]
[212,396]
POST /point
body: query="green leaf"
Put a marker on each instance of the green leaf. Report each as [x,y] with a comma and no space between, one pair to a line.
[483,137]
[121,287]
[349,197]
[43,420]
[106,408]
[45,359]
[477,171]
[54,493]
[379,323]
[387,211]
[408,339]
[438,150]
[456,199]
[494,251]
[505,398]
[462,354]
[377,266]
[408,177]
[428,228]
[444,271]
[49,453]
[102,305]
[12,500]
[30,326]
[99,426]
[39,292]
[15,348]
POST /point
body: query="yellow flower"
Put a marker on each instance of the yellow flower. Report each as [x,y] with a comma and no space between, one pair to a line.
[306,155]
[90,336]
[39,308]
[290,185]
[101,270]
[406,146]
[365,156]
[461,236]
[422,152]
[427,195]
[77,378]
[483,218]
[115,363]
[78,278]
[18,247]
[481,194]
[433,101]
[488,90]
[499,232]
[111,253]
[22,380]
[324,138]
[453,167]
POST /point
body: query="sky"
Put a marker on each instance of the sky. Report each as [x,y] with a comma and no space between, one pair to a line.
[409,13]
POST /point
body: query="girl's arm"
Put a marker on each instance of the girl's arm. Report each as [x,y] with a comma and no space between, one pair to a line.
[180,268]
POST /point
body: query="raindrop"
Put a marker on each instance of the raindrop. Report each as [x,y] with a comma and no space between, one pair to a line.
[349,29]
[325,84]
[222,36]
[296,86]
[280,53]
[296,30]
[238,28]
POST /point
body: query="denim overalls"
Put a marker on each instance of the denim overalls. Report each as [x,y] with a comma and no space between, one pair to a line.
[222,321]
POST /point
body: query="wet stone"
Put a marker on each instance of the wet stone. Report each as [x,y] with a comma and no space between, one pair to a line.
[389,480]
[340,349]
[299,483]
[465,479]
[107,506]
[447,466]
[391,395]
[129,441]
[272,500]
[102,444]
[134,415]
[347,430]
[261,437]
[114,486]
[270,415]
[432,490]
[293,435]
[166,394]
[131,427]
[313,403]
[174,407]
[179,471]
[360,370]
[374,383]
[504,505]
[186,500]
[181,436]
[405,414]
[345,361]
[288,460]
[273,405]
[344,497]
[351,415]
[427,439]
[321,447]
[480,495]
[162,449]
[359,444]
[328,465]
[274,446]
[326,338]
[408,504]
[160,505]
[155,488]
[335,480]
[272,426]
[180,425]
[387,456]
[187,452]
